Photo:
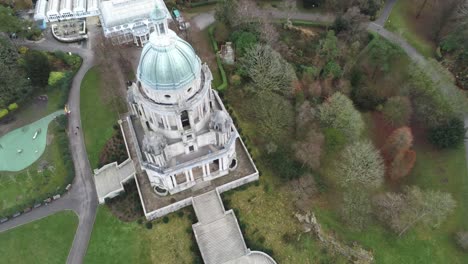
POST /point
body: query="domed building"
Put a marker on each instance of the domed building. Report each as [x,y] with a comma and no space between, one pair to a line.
[183,147]
[187,136]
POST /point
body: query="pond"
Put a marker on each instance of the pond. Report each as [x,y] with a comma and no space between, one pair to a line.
[23,146]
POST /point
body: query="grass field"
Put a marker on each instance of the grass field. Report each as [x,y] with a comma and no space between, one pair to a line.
[47,240]
[113,241]
[97,115]
[19,190]
[442,170]
[401,22]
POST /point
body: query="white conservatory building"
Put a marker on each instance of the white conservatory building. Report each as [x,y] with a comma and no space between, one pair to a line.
[125,21]
[55,10]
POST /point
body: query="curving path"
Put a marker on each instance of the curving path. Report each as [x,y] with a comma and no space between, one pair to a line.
[82,198]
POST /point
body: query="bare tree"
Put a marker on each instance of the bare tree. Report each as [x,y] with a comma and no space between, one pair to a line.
[462,240]
[360,166]
[338,112]
[267,69]
[402,211]
[309,149]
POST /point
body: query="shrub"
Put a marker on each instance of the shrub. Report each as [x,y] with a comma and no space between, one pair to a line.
[73,61]
[462,240]
[365,98]
[149,225]
[22,50]
[236,80]
[180,213]
[55,77]
[243,40]
[399,141]
[13,106]
[397,110]
[165,219]
[281,162]
[447,135]
[3,112]
[402,164]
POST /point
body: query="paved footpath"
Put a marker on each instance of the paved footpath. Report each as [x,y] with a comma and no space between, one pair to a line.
[82,198]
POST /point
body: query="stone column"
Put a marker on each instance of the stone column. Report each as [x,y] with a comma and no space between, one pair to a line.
[204,170]
[208,169]
[187,176]
[166,122]
[191,174]
[174,180]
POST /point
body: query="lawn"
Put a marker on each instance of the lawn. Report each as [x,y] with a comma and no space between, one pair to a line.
[113,241]
[401,21]
[444,170]
[441,170]
[47,240]
[22,189]
[97,115]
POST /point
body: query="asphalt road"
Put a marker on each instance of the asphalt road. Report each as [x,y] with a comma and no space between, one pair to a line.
[82,198]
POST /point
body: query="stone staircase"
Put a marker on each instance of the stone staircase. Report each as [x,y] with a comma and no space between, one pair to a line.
[217,232]
[208,207]
[221,239]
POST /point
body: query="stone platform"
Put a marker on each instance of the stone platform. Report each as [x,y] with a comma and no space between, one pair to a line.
[155,206]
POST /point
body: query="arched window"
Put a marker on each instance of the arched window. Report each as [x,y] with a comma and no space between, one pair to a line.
[167,96]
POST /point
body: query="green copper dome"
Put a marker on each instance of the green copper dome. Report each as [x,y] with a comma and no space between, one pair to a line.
[167,62]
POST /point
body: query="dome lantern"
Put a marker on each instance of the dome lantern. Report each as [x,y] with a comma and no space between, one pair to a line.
[159,18]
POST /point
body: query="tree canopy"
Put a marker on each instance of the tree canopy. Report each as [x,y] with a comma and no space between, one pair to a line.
[267,69]
[360,166]
[338,112]
[37,67]
[401,211]
[14,85]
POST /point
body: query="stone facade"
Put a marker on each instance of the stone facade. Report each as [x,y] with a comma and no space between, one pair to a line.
[187,136]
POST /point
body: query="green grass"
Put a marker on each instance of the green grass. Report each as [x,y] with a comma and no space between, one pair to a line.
[113,241]
[439,170]
[97,115]
[400,23]
[47,240]
[443,170]
[19,190]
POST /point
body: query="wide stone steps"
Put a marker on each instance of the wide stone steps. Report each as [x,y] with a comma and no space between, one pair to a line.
[208,207]
[220,240]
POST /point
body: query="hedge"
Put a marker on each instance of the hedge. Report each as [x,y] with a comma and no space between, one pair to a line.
[224,85]
[203,3]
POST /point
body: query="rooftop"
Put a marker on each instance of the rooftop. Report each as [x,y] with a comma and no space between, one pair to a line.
[119,12]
